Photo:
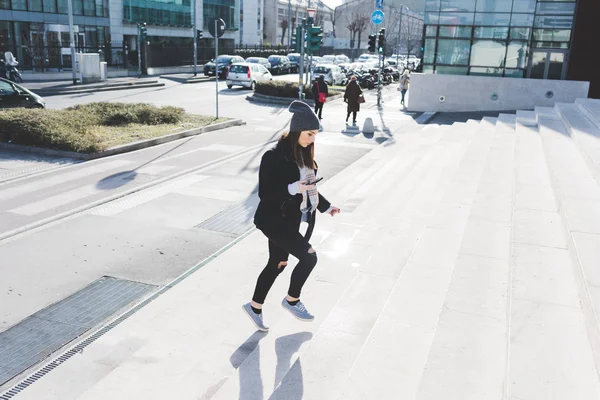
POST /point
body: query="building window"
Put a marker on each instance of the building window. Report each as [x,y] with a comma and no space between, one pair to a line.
[443,70]
[488,53]
[491,33]
[455,31]
[453,52]
[494,5]
[516,55]
[458,5]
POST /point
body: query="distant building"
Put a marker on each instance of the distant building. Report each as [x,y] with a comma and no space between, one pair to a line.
[276,12]
[404,26]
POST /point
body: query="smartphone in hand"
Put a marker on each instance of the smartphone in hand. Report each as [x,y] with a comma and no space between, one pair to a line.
[315,182]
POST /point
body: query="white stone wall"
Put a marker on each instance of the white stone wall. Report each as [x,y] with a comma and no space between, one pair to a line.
[251,34]
[456,93]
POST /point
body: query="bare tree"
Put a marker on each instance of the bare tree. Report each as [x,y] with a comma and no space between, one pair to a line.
[284,26]
[357,25]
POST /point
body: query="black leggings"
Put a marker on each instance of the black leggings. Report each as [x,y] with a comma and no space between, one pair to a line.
[318,108]
[280,247]
[353,115]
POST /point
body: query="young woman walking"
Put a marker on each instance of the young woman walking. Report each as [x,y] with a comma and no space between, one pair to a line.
[288,196]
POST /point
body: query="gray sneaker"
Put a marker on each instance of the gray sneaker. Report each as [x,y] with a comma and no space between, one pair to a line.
[257,319]
[298,311]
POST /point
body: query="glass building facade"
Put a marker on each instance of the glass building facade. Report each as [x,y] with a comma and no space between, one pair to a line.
[176,13]
[511,38]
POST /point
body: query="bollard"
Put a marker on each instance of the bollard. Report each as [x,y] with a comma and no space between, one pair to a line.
[368,126]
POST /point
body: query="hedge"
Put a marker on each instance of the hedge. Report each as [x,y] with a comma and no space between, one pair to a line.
[73,129]
[286,89]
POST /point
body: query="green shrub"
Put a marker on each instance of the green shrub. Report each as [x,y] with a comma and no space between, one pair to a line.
[54,129]
[116,114]
[286,89]
[74,128]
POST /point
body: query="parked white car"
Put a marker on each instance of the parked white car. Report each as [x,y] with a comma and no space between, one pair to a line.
[332,73]
[342,59]
[329,59]
[246,75]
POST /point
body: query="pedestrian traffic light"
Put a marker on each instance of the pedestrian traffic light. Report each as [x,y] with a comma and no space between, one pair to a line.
[199,34]
[381,41]
[297,39]
[315,39]
[372,39]
[143,29]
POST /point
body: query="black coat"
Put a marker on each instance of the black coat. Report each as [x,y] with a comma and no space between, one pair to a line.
[317,87]
[351,96]
[278,210]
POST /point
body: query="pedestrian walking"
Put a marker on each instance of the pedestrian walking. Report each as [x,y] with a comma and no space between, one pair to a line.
[288,196]
[404,82]
[320,92]
[353,96]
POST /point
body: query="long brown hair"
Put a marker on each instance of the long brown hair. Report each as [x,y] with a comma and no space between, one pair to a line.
[302,156]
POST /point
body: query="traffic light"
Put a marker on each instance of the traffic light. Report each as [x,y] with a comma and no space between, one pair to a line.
[297,40]
[143,29]
[199,34]
[381,41]
[314,39]
[372,39]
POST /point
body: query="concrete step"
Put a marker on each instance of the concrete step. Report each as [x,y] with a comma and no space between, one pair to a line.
[578,198]
[527,118]
[473,315]
[488,123]
[358,343]
[545,310]
[545,112]
[506,123]
[591,109]
[584,132]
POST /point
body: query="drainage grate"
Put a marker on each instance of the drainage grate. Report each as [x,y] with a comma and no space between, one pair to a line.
[235,220]
[46,331]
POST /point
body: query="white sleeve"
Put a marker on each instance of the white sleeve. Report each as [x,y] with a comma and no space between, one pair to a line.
[293,188]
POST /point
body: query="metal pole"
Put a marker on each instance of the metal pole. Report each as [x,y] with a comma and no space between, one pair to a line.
[379,81]
[72,40]
[289,21]
[139,51]
[195,42]
[217,64]
[301,70]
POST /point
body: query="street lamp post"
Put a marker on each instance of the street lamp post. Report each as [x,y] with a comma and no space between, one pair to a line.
[312,13]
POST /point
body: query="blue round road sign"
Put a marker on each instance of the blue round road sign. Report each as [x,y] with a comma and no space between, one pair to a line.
[377,17]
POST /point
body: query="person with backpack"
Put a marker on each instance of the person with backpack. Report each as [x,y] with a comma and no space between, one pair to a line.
[320,92]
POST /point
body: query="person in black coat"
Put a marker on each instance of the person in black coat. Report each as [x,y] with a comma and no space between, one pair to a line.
[320,86]
[288,196]
[351,95]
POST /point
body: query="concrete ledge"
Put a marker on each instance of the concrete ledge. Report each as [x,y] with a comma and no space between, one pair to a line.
[123,148]
[456,93]
[98,88]
[286,101]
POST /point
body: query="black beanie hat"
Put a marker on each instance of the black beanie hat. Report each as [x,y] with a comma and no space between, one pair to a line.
[304,118]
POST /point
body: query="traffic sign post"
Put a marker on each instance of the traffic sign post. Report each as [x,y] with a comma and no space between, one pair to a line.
[217,29]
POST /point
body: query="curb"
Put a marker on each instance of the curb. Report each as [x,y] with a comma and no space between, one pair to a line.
[123,148]
[97,89]
[285,101]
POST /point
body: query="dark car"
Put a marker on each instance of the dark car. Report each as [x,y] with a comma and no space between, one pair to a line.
[13,96]
[295,61]
[280,65]
[224,62]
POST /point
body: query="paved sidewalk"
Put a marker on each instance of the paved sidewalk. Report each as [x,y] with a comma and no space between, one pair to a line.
[447,275]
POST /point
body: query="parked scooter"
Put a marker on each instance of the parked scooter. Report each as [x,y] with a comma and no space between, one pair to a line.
[10,72]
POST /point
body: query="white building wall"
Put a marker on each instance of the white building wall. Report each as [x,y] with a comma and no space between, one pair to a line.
[251,27]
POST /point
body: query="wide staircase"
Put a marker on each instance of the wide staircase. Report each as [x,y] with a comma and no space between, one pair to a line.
[465,265]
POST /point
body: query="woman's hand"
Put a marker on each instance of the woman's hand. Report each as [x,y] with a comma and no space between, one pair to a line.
[334,211]
[303,187]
